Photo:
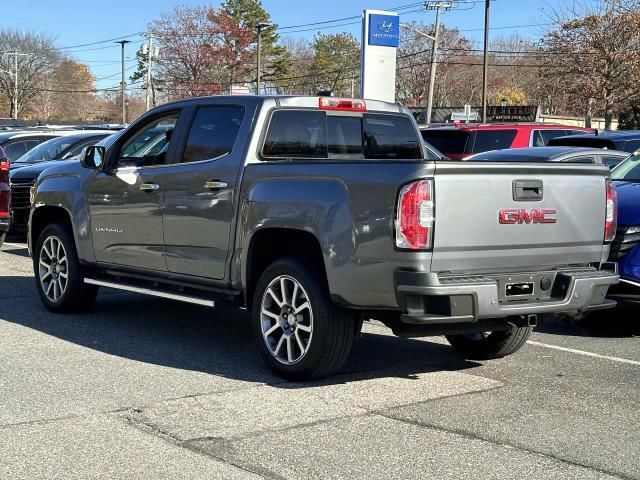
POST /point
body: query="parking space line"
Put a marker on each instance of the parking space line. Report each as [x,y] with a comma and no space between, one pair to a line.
[583,352]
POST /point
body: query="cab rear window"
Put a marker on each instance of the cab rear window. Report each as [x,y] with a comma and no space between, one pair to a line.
[315,134]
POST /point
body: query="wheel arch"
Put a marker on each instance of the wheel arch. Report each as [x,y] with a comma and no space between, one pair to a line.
[270,243]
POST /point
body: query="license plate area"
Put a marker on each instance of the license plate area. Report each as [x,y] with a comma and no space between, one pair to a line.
[518,289]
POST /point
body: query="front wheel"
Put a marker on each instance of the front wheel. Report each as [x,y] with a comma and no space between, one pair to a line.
[300,333]
[58,273]
[489,345]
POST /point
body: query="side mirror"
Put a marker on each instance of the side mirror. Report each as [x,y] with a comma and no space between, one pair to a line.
[93,157]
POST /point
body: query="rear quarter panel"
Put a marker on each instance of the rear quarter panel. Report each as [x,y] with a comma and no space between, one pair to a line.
[349,207]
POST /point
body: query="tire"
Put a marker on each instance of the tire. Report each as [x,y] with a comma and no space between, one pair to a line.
[490,345]
[60,294]
[3,236]
[325,331]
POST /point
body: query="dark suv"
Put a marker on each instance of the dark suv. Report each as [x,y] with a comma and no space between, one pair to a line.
[5,196]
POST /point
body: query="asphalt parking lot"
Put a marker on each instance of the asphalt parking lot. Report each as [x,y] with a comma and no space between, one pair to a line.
[143,388]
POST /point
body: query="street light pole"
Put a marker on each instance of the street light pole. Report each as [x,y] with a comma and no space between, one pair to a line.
[437,6]
[122,83]
[485,60]
[259,27]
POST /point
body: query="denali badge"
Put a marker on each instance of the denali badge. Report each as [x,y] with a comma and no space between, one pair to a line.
[514,215]
[109,229]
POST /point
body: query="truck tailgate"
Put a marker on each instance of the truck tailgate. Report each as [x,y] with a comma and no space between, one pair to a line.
[488,219]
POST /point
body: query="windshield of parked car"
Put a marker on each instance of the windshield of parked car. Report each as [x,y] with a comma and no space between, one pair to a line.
[629,170]
[49,150]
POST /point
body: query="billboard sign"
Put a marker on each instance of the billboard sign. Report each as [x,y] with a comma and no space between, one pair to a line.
[380,40]
[384,30]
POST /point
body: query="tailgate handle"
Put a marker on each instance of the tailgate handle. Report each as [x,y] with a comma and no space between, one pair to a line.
[527,190]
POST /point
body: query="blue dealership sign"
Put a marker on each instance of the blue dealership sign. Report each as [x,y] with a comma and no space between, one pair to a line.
[384,30]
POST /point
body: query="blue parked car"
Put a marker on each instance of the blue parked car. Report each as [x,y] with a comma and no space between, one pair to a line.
[625,249]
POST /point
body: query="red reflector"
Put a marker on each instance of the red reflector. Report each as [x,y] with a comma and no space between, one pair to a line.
[345,104]
[414,225]
[611,217]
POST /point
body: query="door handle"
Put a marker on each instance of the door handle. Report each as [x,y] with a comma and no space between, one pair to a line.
[149,187]
[215,185]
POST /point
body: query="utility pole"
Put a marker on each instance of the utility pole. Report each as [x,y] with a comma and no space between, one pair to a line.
[122,83]
[259,27]
[149,67]
[437,6]
[485,61]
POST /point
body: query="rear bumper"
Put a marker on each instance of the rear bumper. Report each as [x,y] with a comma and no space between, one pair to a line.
[426,298]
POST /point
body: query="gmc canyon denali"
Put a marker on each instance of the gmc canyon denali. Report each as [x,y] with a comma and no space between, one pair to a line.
[316,213]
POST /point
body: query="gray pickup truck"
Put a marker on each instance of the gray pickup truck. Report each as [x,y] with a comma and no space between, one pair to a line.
[316,213]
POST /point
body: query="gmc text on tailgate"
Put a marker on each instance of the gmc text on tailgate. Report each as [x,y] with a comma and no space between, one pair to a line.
[316,213]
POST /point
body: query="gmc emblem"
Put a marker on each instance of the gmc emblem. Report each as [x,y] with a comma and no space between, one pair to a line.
[514,215]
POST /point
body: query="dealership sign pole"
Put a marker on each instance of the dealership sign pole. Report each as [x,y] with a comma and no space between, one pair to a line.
[380,40]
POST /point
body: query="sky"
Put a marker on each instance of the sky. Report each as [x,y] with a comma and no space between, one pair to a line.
[76,22]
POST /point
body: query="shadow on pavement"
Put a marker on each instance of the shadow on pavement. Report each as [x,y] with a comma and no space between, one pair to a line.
[218,341]
[621,322]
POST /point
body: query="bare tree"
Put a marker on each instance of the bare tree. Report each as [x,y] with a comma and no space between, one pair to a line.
[37,58]
[595,50]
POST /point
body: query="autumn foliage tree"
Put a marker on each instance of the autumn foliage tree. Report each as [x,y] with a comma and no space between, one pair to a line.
[203,50]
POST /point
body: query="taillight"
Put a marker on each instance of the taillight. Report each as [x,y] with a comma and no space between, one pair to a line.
[611,218]
[343,104]
[4,164]
[414,222]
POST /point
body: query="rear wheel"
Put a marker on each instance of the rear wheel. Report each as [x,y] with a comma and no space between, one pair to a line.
[58,274]
[3,236]
[300,333]
[489,345]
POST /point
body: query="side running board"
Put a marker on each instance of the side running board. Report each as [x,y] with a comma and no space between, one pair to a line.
[147,291]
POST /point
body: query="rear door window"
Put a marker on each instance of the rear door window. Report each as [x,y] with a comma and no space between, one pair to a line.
[213,133]
[493,140]
[314,134]
[449,142]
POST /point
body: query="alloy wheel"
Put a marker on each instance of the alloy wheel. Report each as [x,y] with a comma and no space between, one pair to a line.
[53,268]
[286,318]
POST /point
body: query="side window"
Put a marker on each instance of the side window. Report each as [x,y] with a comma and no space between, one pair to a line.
[18,148]
[632,146]
[537,141]
[149,144]
[213,133]
[581,160]
[547,135]
[611,161]
[493,140]
[390,136]
[296,133]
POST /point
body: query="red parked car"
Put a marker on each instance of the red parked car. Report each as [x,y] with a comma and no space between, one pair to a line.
[5,197]
[459,141]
